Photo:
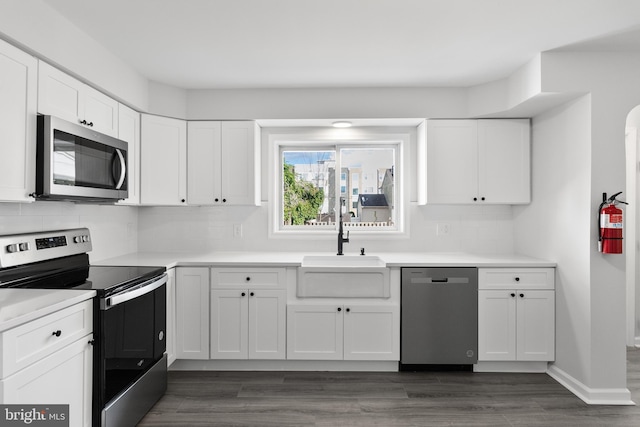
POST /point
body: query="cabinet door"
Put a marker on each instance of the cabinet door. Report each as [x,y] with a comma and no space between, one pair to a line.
[496,325]
[371,332]
[504,161]
[240,163]
[129,131]
[63,378]
[267,324]
[18,92]
[536,325]
[229,323]
[205,162]
[99,111]
[451,161]
[171,316]
[314,332]
[192,313]
[59,94]
[163,161]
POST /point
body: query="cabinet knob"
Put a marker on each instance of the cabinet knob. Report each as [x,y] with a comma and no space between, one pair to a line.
[251,294]
[92,342]
[248,279]
[224,200]
[83,122]
[482,199]
[216,200]
[348,310]
[517,279]
[244,294]
[513,295]
[521,295]
[57,333]
[475,199]
[183,200]
[339,308]
[90,124]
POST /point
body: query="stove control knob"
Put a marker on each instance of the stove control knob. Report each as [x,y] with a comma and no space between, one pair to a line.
[86,239]
[13,248]
[24,246]
[77,239]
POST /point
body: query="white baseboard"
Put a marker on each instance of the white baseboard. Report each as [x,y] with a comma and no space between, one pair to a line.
[508,366]
[284,365]
[591,396]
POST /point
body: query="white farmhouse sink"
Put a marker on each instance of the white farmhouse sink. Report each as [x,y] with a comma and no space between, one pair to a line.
[346,276]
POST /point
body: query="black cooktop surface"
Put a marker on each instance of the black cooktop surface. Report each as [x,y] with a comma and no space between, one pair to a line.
[74,272]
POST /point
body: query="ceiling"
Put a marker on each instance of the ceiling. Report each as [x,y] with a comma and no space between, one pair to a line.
[208,44]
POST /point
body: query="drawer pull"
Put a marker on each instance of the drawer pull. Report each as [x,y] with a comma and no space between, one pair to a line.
[57,333]
[513,295]
[521,295]
[517,279]
[248,279]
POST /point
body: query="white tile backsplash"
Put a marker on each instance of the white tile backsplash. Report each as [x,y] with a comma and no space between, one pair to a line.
[118,230]
[113,228]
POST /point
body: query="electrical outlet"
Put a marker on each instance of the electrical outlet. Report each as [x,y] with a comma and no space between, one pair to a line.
[237,231]
[443,229]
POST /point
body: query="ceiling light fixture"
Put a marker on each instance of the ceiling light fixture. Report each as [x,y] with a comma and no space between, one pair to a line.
[341,124]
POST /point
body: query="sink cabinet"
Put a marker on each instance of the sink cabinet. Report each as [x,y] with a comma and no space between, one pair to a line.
[248,309]
[343,332]
[516,309]
[38,367]
[475,161]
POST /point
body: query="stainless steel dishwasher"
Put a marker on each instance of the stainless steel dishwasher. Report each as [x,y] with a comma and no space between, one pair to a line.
[439,321]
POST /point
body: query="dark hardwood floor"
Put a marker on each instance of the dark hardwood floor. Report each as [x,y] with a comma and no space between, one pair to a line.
[382,399]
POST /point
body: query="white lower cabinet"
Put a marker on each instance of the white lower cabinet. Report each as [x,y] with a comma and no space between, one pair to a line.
[248,313]
[192,313]
[248,323]
[343,332]
[43,368]
[516,323]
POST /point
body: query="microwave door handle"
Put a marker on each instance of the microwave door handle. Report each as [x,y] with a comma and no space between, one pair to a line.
[123,169]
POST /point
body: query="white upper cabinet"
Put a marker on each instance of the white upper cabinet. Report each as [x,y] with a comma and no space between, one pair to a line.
[63,96]
[18,98]
[129,131]
[224,162]
[475,161]
[163,161]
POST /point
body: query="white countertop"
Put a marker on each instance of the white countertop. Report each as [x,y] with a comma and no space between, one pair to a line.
[18,306]
[294,259]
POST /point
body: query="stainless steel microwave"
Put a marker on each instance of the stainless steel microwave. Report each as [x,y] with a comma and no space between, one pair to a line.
[77,163]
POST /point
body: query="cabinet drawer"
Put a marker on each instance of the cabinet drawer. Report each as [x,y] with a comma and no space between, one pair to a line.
[28,343]
[516,278]
[248,277]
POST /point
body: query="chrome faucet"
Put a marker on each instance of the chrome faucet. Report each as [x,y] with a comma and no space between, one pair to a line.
[341,238]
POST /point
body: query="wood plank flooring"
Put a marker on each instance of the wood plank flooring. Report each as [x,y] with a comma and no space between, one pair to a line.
[382,399]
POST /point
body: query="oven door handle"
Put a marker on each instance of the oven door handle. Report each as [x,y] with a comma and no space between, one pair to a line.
[138,291]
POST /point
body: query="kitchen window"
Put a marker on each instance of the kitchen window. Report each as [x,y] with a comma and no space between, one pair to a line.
[316,181]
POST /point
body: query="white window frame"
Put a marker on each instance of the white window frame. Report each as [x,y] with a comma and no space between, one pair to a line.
[325,139]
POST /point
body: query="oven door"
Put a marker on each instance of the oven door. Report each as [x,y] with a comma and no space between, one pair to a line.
[133,334]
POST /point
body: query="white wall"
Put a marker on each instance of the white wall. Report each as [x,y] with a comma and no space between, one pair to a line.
[41,30]
[113,228]
[556,224]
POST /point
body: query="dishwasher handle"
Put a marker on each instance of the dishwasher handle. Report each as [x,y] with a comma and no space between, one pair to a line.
[439,280]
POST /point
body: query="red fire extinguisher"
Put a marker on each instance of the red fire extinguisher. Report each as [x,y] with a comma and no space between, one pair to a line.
[610,225]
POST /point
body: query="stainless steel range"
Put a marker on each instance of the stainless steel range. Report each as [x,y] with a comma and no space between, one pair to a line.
[130,365]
